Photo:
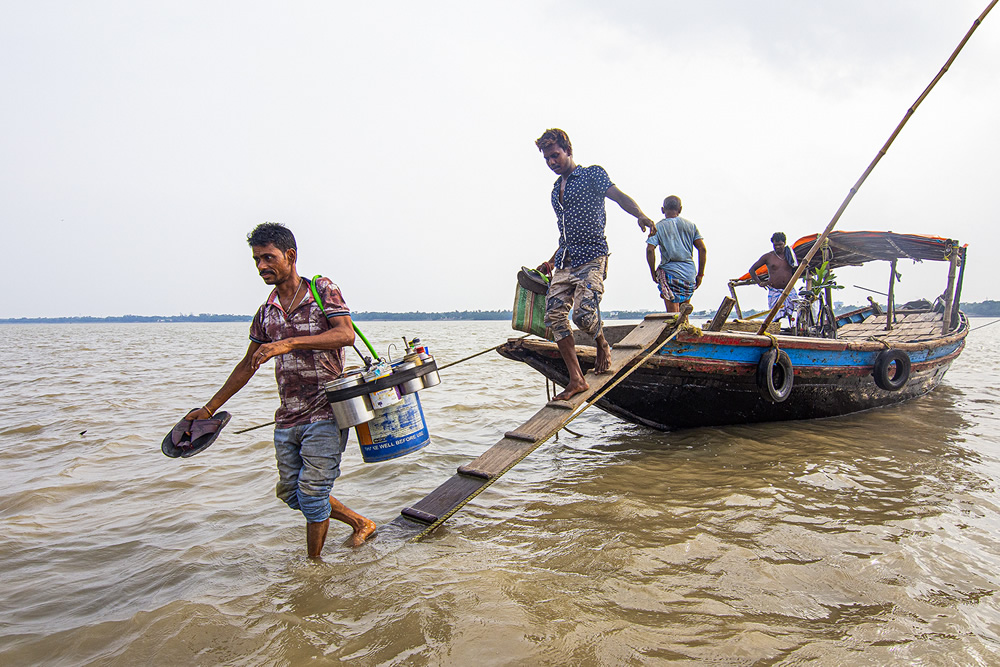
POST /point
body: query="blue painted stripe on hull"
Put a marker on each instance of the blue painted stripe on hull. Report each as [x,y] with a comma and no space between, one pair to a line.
[799,357]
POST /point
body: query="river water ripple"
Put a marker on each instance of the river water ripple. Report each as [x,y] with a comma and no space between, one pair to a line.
[866,539]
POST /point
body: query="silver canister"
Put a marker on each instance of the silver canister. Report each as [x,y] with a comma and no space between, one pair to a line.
[420,358]
[351,411]
[410,386]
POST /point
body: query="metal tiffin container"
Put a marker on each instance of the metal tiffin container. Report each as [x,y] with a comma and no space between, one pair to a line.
[410,386]
[420,358]
[350,407]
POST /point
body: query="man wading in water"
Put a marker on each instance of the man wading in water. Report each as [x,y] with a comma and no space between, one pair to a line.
[580,263]
[308,346]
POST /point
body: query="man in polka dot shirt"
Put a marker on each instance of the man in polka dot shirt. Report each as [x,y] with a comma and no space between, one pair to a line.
[580,263]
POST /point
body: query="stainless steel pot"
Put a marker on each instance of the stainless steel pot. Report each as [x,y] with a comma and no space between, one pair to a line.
[410,386]
[352,411]
[419,358]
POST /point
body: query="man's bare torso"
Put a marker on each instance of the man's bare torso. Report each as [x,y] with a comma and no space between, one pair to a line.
[779,272]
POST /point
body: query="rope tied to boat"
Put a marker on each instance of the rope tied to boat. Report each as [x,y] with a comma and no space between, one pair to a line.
[876,339]
[774,340]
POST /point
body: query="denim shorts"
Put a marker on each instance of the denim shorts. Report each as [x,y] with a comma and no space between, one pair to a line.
[308,459]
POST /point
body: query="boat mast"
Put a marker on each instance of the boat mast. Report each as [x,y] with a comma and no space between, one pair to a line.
[890,305]
[829,228]
[958,289]
[949,295]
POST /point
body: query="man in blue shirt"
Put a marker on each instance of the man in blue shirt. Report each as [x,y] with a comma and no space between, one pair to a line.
[580,263]
[676,237]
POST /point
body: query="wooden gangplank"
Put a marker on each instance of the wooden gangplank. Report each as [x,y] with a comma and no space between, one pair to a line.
[424,516]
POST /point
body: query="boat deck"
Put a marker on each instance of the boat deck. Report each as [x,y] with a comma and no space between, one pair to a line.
[908,327]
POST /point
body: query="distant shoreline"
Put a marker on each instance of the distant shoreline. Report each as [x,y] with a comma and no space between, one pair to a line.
[373,316]
[980,309]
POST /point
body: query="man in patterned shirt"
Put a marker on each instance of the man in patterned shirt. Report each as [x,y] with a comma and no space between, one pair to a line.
[580,263]
[307,340]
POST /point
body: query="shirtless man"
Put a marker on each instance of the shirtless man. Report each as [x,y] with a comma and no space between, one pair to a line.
[780,264]
[580,263]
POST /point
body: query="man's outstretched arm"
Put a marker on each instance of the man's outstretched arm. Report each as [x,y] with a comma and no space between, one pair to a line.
[237,380]
[629,206]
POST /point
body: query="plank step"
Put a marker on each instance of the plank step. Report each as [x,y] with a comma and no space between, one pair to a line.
[473,472]
[559,405]
[417,515]
[521,435]
[446,497]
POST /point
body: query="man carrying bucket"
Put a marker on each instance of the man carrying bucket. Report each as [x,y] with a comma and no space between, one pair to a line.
[580,263]
[307,340]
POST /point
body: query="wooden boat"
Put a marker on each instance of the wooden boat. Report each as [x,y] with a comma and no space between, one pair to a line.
[827,366]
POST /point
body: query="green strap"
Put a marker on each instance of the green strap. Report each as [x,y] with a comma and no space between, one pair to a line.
[319,302]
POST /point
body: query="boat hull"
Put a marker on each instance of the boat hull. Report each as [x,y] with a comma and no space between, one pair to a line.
[709,379]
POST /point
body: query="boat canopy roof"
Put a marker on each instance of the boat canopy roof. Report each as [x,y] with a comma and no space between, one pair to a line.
[857,248]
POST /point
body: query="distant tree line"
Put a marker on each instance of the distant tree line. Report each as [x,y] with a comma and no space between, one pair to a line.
[203,317]
[980,309]
[376,315]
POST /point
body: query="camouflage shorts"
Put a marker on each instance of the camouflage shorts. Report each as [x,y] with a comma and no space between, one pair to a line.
[578,288]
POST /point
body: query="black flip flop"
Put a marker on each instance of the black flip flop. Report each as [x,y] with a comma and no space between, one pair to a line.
[533,280]
[190,436]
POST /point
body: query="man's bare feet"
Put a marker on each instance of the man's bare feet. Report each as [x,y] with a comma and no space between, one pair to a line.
[361,533]
[571,390]
[363,526]
[603,361]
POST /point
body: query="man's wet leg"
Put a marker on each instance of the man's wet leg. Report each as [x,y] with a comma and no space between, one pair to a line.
[316,537]
[567,350]
[363,526]
[603,361]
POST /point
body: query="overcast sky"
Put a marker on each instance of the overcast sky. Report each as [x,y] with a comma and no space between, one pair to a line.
[141,141]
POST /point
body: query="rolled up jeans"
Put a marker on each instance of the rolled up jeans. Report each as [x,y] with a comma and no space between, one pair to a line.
[308,458]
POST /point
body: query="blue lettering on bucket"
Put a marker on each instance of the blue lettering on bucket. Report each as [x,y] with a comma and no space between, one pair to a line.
[397,430]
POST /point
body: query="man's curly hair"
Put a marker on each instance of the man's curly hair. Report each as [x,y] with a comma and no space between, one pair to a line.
[272,233]
[554,136]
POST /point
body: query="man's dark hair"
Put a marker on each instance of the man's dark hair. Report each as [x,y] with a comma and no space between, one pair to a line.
[778,236]
[672,203]
[554,136]
[272,233]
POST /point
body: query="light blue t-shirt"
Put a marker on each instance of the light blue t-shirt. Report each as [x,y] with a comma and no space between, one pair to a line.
[675,238]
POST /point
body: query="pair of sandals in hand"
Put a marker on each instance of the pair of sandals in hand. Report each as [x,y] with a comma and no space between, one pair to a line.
[190,436]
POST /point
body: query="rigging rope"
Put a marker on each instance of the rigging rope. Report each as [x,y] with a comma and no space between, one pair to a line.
[440,368]
[984,325]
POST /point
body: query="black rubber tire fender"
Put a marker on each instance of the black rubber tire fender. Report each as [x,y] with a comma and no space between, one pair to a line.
[775,375]
[885,362]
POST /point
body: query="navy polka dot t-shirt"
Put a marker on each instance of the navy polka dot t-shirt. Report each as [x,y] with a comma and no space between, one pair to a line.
[581,216]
